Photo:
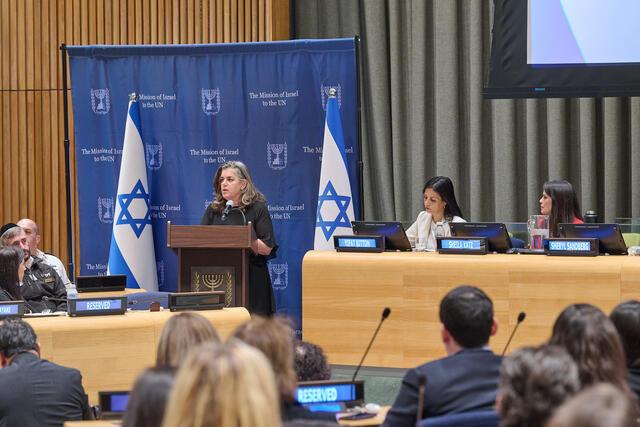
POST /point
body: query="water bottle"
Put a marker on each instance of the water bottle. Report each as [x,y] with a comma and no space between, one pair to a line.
[72,292]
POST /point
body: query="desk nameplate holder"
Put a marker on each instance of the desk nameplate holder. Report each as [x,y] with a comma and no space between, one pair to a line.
[11,309]
[572,247]
[103,306]
[181,301]
[359,243]
[463,245]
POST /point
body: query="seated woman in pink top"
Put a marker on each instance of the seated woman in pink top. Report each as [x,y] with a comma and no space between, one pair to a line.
[560,202]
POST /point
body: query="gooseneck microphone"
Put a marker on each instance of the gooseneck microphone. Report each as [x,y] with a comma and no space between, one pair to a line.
[521,317]
[46,298]
[227,209]
[385,313]
[422,383]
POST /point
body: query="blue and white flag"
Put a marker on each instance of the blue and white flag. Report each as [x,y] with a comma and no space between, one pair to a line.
[335,203]
[132,252]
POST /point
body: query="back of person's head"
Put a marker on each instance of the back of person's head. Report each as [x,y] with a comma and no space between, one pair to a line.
[444,187]
[564,203]
[180,334]
[593,342]
[533,382]
[16,336]
[273,337]
[310,362]
[9,231]
[224,385]
[626,319]
[149,397]
[467,314]
[10,259]
[601,405]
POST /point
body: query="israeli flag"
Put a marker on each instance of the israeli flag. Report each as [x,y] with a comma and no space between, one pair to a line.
[132,252]
[335,203]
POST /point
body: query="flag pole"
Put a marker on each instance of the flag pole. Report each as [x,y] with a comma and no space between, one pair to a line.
[360,215]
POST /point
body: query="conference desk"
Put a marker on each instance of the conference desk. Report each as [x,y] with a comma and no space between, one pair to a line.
[343,295]
[110,351]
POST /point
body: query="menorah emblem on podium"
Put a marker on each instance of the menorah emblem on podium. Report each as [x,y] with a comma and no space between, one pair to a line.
[212,281]
[105,209]
[154,156]
[103,101]
[211,101]
[278,163]
[277,272]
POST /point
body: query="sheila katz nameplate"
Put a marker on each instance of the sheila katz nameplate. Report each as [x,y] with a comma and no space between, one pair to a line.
[204,279]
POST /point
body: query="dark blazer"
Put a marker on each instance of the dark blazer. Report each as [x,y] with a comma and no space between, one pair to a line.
[463,382]
[36,392]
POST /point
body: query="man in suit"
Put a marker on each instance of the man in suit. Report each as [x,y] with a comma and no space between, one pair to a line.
[467,379]
[35,392]
[626,318]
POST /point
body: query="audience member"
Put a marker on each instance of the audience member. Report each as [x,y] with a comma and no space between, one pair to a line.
[467,379]
[533,382]
[180,335]
[626,319]
[149,397]
[274,338]
[11,273]
[601,405]
[33,239]
[224,385]
[41,288]
[35,392]
[593,342]
[310,362]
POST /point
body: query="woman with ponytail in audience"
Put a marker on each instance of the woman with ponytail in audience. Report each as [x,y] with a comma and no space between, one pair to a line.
[11,273]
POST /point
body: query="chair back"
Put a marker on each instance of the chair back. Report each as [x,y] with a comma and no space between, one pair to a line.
[467,419]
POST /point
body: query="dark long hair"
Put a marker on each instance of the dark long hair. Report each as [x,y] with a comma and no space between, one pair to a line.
[149,397]
[10,259]
[564,204]
[444,187]
[593,342]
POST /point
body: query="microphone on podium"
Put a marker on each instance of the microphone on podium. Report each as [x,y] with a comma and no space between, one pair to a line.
[521,317]
[385,313]
[227,209]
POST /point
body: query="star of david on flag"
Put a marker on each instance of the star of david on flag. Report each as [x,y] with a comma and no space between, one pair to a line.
[335,202]
[132,251]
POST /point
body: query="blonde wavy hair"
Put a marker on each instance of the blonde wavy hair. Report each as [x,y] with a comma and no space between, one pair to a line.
[250,194]
[180,334]
[224,385]
[274,338]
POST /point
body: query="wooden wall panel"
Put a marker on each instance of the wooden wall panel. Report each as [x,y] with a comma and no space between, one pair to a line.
[32,179]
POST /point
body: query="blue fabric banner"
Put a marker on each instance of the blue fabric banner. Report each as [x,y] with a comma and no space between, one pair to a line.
[202,105]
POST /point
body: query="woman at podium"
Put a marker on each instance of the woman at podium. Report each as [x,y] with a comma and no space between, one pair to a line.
[560,202]
[237,201]
[440,208]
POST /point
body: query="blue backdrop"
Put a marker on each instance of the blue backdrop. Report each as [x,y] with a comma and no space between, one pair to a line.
[262,103]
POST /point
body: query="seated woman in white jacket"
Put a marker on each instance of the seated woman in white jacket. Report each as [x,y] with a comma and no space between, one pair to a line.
[440,208]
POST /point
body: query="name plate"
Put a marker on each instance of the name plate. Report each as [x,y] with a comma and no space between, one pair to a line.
[315,392]
[572,247]
[197,301]
[11,309]
[97,306]
[462,245]
[359,243]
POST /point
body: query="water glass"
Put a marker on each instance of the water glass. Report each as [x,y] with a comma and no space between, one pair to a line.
[538,227]
[421,244]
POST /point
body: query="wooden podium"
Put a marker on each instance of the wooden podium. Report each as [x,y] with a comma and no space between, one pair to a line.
[213,257]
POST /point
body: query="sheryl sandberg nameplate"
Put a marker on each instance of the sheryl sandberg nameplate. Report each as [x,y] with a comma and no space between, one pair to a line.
[572,247]
[462,245]
[97,306]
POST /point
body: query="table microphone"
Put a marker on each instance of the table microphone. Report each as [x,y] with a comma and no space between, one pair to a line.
[46,298]
[422,382]
[521,317]
[385,313]
[226,210]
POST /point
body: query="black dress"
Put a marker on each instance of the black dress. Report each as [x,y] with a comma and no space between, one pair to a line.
[261,300]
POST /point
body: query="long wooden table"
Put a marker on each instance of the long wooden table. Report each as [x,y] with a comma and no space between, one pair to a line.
[343,295]
[110,351]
